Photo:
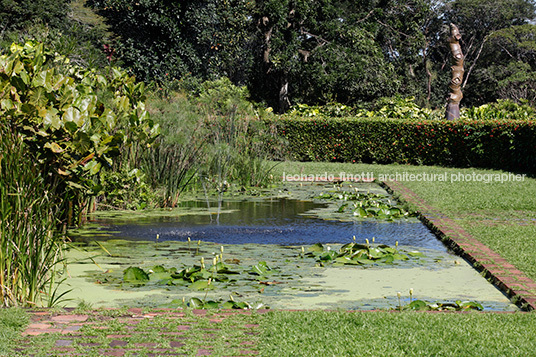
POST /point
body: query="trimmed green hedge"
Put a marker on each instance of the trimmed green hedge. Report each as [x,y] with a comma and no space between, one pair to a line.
[503,144]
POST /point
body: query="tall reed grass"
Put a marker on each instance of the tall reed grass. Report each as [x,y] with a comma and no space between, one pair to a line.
[210,138]
[30,247]
[173,161]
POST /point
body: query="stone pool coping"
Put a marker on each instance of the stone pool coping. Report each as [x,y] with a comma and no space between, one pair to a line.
[513,282]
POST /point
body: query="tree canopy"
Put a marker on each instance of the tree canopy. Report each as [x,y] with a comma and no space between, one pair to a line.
[313,52]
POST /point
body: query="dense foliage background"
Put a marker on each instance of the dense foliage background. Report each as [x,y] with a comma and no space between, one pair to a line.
[289,52]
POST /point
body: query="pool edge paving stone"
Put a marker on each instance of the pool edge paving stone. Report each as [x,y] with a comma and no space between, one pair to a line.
[498,270]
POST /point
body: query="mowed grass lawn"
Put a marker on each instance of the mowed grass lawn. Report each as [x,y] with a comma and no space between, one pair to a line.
[324,333]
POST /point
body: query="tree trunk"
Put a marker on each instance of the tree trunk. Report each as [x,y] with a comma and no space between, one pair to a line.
[284,101]
[453,106]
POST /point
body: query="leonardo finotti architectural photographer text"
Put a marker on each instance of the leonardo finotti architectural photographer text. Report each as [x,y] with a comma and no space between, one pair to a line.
[407,176]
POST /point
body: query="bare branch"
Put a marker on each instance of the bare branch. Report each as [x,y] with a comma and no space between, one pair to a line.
[474,61]
[366,17]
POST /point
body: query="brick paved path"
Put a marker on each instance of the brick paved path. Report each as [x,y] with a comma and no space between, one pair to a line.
[160,332]
[503,274]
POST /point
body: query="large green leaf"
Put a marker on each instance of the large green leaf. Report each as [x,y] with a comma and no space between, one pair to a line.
[54,147]
[261,269]
[360,212]
[93,167]
[415,253]
[38,97]
[43,79]
[135,275]
[195,303]
[317,248]
[470,305]
[418,305]
[73,115]
[6,104]
[346,261]
[201,285]
[228,305]
[50,117]
[210,305]
[375,253]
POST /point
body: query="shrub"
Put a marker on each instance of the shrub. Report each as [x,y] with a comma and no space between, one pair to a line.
[501,144]
[502,109]
[74,121]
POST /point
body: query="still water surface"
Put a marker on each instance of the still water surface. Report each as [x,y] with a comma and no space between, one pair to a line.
[275,221]
[270,230]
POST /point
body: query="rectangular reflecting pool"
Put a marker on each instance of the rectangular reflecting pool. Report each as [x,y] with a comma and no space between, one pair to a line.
[266,252]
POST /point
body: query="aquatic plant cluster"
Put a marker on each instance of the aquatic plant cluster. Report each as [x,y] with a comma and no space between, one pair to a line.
[200,278]
[359,254]
[421,305]
[366,204]
[203,277]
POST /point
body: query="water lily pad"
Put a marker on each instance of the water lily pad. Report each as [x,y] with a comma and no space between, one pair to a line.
[415,254]
[210,305]
[261,269]
[201,285]
[160,276]
[417,305]
[135,275]
[318,247]
[195,303]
